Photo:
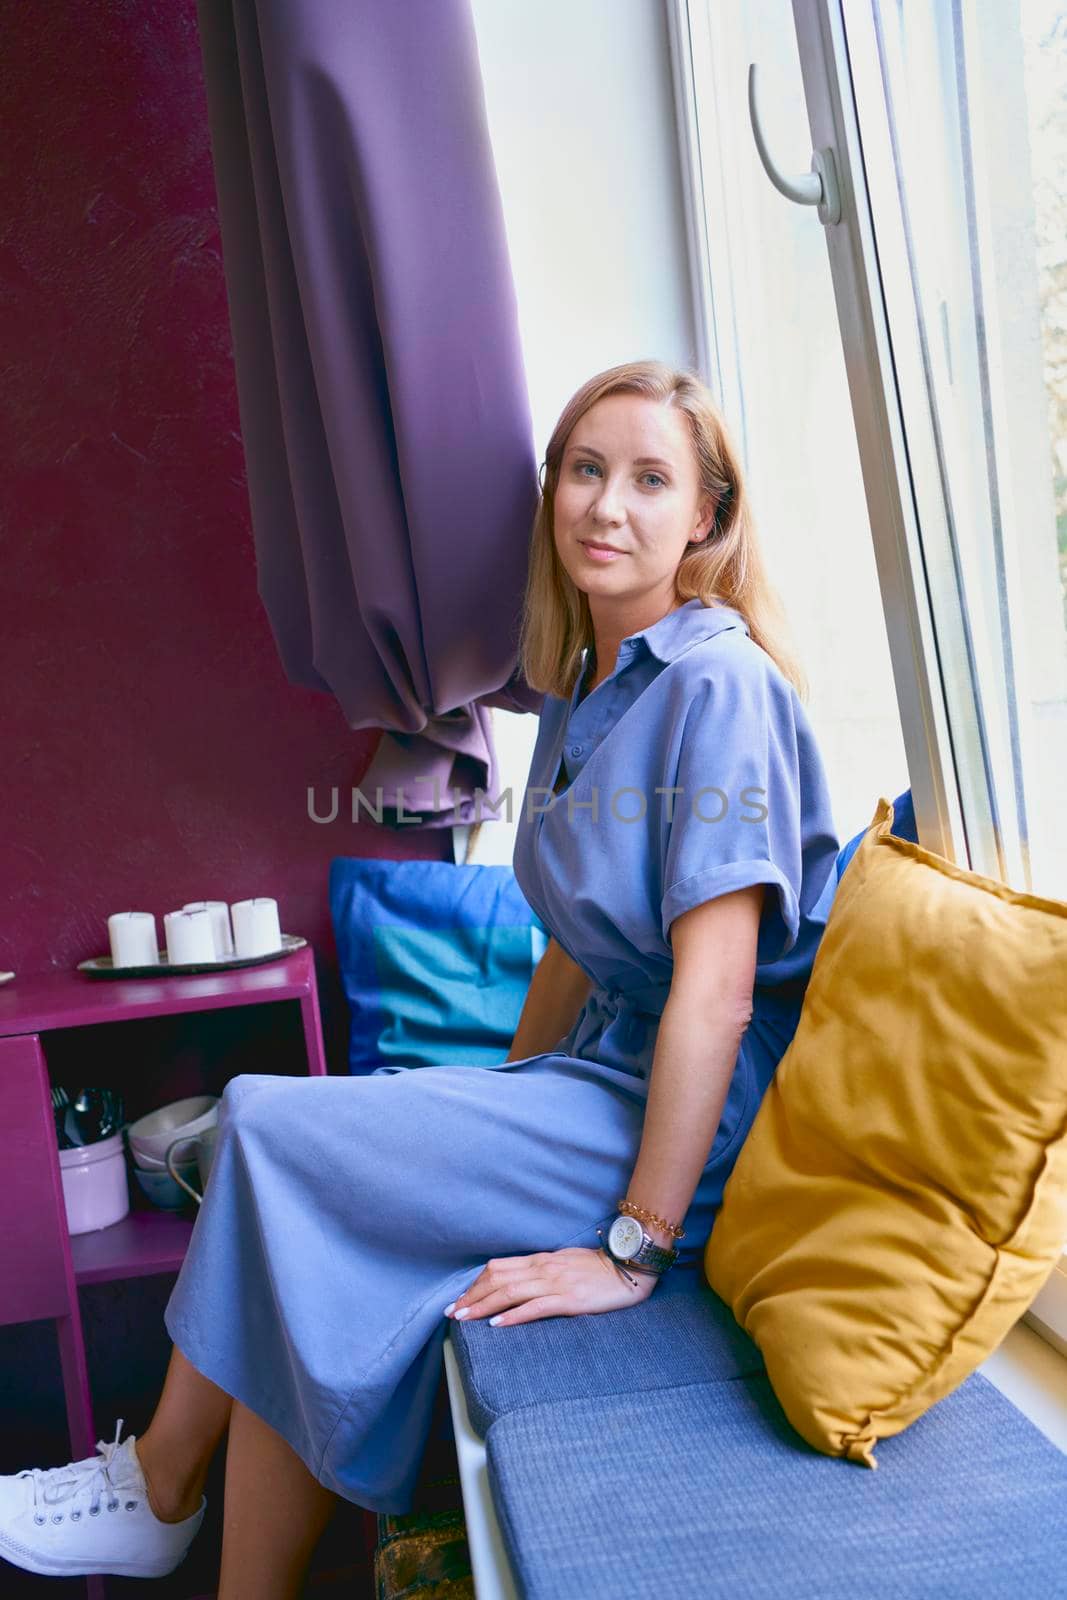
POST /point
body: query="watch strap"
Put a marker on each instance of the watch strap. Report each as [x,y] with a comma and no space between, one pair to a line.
[653,1257]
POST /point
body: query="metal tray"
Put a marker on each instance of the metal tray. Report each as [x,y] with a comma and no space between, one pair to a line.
[103,967]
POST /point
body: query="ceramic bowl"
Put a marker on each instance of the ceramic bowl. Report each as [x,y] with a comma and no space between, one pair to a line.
[151,1136]
[162,1190]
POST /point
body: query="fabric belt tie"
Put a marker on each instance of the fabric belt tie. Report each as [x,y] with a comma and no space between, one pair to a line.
[648,999]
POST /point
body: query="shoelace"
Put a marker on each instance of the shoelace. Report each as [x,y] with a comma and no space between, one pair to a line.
[53,1486]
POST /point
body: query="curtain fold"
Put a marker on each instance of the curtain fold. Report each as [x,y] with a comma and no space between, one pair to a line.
[383,403]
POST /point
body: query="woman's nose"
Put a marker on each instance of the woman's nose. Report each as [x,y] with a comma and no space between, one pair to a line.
[609,503]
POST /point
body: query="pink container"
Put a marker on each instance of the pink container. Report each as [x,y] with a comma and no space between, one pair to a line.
[95,1187]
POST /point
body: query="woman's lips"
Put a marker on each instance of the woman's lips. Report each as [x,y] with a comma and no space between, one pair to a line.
[600,552]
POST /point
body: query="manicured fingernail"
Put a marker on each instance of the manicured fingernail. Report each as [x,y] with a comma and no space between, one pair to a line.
[494,1320]
[464,1311]
[449,1309]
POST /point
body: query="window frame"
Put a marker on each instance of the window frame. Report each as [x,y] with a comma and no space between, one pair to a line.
[870,360]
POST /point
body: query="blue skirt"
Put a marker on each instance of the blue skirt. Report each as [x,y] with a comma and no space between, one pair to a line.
[344,1213]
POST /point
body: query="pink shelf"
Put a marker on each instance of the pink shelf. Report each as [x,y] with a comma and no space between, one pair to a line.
[41,1266]
[72,1000]
[144,1242]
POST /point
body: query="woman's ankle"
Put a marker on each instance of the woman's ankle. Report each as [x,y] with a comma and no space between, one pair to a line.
[170,1501]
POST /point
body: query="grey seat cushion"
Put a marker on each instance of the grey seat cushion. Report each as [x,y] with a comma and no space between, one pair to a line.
[683,1333]
[713,1493]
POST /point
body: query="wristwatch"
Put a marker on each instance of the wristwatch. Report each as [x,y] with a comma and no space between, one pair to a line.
[630,1246]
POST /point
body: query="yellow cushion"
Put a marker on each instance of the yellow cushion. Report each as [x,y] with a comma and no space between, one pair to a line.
[901,1196]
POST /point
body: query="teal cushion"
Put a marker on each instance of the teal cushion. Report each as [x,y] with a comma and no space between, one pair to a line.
[435,958]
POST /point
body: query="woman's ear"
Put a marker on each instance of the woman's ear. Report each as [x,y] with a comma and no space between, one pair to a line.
[707,522]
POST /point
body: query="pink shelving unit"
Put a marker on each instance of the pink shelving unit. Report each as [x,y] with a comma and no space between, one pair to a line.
[71,999]
[41,1265]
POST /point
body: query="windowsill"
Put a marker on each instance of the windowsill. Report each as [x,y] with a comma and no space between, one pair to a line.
[1032,1371]
[1026,1367]
[1048,1314]
[490,1566]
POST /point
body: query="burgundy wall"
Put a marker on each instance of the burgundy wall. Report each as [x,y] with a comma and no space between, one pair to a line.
[152,749]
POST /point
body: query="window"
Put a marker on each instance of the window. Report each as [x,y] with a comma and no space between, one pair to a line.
[963,122]
[899,378]
[772,353]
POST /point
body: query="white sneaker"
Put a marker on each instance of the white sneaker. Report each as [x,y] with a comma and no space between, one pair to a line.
[90,1516]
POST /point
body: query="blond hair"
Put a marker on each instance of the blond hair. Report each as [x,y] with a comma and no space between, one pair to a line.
[727,568]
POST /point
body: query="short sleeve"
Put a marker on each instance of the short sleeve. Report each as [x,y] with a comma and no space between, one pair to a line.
[736,818]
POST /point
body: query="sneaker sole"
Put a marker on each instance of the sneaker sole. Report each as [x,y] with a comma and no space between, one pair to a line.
[19,1556]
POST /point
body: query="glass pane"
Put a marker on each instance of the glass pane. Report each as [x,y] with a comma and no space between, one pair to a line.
[964,137]
[1044,36]
[782,382]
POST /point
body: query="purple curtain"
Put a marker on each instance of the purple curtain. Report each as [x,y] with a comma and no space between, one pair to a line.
[386,425]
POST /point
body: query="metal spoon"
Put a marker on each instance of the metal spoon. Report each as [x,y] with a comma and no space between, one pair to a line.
[90,1117]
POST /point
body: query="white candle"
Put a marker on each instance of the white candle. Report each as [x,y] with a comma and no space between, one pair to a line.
[133,939]
[220,921]
[256,930]
[190,937]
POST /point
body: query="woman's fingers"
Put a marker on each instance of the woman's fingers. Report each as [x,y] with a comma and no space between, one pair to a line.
[524,1301]
[562,1283]
[491,1293]
[507,1280]
[545,1305]
[529,1283]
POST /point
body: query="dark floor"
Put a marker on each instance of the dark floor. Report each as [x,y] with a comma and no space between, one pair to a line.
[128,1350]
[343,1563]
[341,1566]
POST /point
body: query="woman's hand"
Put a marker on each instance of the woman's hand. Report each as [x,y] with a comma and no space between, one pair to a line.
[555,1283]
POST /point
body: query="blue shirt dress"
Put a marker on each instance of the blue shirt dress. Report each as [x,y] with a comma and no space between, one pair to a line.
[344,1213]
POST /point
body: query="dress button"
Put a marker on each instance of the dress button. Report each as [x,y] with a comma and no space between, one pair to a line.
[576,749]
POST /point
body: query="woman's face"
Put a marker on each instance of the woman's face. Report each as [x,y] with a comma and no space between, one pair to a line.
[628,480]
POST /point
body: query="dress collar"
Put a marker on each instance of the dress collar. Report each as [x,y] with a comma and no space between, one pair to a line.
[686,625]
[666,639]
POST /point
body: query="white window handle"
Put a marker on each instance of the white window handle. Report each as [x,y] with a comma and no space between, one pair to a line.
[819,187]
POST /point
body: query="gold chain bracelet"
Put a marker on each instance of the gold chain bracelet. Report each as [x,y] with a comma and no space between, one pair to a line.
[630,1210]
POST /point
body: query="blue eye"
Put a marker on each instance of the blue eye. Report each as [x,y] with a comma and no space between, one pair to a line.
[581,465]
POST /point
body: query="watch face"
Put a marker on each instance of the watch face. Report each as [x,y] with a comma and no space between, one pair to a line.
[625,1237]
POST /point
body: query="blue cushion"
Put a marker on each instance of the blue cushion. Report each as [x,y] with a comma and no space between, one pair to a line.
[435,958]
[708,1490]
[903,828]
[683,1333]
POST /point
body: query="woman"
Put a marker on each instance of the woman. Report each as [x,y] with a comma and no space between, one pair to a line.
[676,839]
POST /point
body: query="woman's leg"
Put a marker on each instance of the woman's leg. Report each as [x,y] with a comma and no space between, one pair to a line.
[175,1451]
[274,1513]
[274,1510]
